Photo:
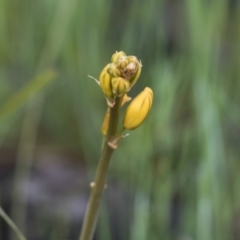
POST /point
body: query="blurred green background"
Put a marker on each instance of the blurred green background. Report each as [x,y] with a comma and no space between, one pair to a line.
[176,176]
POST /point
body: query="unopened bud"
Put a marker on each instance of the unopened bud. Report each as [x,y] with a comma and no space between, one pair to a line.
[120,85]
[135,70]
[138,109]
[105,83]
[130,68]
[122,62]
[119,76]
[116,55]
[114,71]
[105,124]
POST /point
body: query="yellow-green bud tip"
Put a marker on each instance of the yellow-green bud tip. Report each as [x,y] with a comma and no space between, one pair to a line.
[120,85]
[116,55]
[138,109]
[105,83]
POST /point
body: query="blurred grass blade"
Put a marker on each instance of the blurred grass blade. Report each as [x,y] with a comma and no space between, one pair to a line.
[12,225]
[24,94]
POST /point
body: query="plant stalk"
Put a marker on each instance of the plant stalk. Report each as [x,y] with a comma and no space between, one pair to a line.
[98,186]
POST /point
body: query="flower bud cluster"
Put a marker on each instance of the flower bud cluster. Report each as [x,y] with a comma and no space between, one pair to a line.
[116,79]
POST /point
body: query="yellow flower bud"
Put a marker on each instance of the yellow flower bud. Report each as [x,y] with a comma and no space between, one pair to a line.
[138,109]
[105,83]
[114,71]
[120,85]
[130,68]
[105,124]
[116,55]
[119,76]
[122,62]
[137,72]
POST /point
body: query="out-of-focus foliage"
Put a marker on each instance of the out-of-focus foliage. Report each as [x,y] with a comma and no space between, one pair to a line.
[16,100]
[181,166]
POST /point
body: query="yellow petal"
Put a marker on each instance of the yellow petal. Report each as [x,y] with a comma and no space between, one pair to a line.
[106,122]
[114,71]
[120,85]
[116,55]
[105,83]
[138,109]
[137,73]
[130,68]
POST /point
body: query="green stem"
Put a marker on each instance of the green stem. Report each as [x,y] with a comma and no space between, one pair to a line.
[99,181]
[12,225]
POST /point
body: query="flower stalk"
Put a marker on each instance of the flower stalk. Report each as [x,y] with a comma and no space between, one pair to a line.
[97,187]
[116,79]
